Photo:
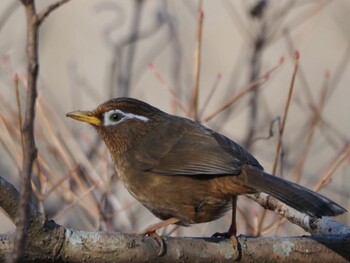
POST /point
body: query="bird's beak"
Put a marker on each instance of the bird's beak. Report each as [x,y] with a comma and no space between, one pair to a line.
[85,116]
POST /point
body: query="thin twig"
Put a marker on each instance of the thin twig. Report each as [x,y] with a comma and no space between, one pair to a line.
[78,199]
[281,130]
[125,80]
[340,70]
[259,81]
[168,87]
[310,135]
[210,95]
[19,108]
[9,145]
[259,43]
[30,150]
[270,135]
[45,13]
[197,61]
[326,126]
[334,165]
[285,114]
[301,76]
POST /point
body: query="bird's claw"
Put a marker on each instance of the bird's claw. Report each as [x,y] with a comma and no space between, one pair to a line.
[234,240]
[160,241]
[222,234]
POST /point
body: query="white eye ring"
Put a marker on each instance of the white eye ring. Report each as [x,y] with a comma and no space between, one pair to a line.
[114,117]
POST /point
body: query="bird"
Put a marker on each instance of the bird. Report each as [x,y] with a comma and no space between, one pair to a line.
[184,172]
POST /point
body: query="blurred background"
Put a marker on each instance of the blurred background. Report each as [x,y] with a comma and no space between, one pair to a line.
[91,51]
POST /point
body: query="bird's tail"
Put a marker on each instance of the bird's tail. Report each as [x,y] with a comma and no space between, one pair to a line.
[293,195]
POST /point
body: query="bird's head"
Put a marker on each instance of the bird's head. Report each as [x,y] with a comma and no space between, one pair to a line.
[121,122]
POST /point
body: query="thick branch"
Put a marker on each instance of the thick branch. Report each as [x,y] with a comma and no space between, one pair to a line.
[65,245]
[9,199]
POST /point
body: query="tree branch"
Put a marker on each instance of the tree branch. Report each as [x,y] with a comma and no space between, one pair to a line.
[29,147]
[323,225]
[30,150]
[45,13]
[66,245]
[9,199]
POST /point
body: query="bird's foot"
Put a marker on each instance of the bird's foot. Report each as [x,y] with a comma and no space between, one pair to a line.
[160,241]
[151,231]
[234,240]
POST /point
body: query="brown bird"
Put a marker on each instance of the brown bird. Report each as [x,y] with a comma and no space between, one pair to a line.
[184,172]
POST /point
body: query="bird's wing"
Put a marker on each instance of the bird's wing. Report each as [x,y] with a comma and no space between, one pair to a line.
[189,148]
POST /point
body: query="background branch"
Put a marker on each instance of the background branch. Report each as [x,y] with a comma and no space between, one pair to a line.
[30,150]
[45,13]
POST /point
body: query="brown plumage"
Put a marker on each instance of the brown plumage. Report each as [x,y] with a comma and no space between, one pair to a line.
[178,168]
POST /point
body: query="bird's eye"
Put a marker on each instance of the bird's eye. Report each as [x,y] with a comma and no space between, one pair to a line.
[115,117]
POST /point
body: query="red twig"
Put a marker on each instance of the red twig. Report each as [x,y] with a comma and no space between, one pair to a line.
[281,129]
[259,81]
[285,114]
[197,61]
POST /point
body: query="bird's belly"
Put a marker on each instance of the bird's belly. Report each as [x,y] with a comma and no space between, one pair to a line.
[189,199]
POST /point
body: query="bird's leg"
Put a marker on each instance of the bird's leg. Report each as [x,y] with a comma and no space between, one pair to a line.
[155,227]
[151,231]
[232,231]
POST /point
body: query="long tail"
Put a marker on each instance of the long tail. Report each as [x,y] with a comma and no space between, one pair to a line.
[294,195]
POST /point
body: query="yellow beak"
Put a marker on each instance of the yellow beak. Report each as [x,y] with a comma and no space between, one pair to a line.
[85,116]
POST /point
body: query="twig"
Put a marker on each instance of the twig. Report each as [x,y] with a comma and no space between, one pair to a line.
[19,108]
[45,13]
[334,165]
[210,95]
[281,130]
[314,123]
[168,87]
[340,70]
[131,51]
[285,114]
[197,61]
[301,76]
[77,200]
[327,127]
[270,135]
[309,224]
[9,145]
[30,150]
[237,21]
[259,43]
[259,81]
